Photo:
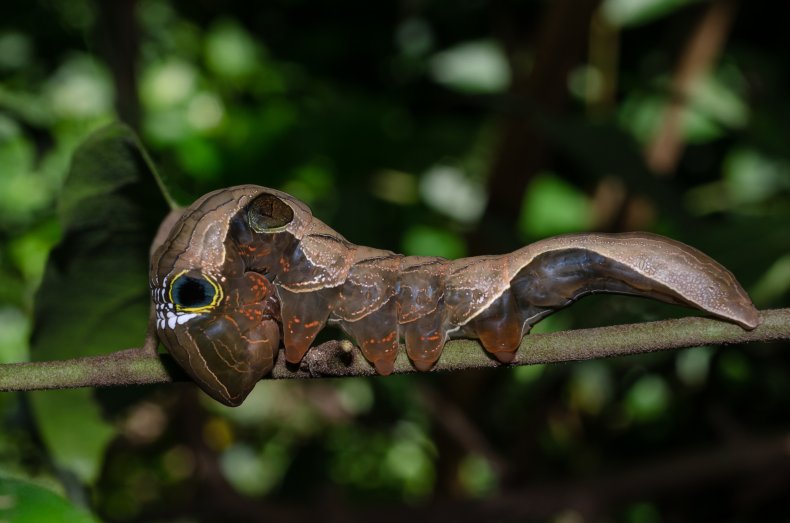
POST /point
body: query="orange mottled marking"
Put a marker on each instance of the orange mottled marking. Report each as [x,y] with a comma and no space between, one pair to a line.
[389,337]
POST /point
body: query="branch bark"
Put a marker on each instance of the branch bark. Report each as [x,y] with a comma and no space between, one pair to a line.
[339,359]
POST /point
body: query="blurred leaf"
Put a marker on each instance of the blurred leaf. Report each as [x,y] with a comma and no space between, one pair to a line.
[451,191]
[29,251]
[355,395]
[23,194]
[14,333]
[774,283]
[27,106]
[168,83]
[591,386]
[25,502]
[200,157]
[80,88]
[734,367]
[648,398]
[395,186]
[752,177]
[414,36]
[528,373]
[601,150]
[377,461]
[476,475]
[720,96]
[692,366]
[634,12]
[429,241]
[472,67]
[553,206]
[642,513]
[16,50]
[255,473]
[230,51]
[94,295]
[715,105]
[205,112]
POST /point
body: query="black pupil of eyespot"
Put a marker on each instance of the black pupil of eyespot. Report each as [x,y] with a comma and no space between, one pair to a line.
[192,292]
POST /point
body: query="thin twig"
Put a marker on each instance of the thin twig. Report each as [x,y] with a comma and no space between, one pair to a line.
[138,366]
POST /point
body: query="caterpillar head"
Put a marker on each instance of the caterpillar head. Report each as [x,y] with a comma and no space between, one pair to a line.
[216,318]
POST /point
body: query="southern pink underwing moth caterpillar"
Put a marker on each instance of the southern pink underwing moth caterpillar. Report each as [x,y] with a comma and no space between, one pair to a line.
[246,266]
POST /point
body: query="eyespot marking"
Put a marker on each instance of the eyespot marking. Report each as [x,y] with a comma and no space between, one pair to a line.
[194,292]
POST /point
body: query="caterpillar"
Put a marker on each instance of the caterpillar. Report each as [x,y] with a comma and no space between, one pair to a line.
[246,266]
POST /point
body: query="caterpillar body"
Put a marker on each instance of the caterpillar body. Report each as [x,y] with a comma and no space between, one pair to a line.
[247,265]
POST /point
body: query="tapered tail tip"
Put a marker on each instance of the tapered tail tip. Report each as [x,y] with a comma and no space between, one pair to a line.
[748,318]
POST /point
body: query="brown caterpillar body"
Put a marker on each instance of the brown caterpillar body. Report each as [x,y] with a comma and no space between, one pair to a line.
[243,259]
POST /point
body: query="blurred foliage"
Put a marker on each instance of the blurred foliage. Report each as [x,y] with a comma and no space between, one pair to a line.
[388,120]
[108,216]
[23,502]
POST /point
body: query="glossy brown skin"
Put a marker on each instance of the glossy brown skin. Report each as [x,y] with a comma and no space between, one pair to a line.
[228,346]
[379,297]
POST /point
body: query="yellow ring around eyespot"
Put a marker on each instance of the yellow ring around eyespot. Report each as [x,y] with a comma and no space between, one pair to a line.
[218,295]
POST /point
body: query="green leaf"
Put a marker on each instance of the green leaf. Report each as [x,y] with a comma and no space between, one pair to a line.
[430,241]
[603,149]
[94,295]
[25,502]
[472,67]
[553,206]
[625,13]
[648,398]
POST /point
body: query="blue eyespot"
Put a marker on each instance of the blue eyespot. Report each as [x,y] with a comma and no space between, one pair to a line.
[188,292]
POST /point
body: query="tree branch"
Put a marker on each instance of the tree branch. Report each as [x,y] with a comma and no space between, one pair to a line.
[339,358]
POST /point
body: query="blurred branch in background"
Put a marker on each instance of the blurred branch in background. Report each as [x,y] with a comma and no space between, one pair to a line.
[522,149]
[757,458]
[121,41]
[455,422]
[696,59]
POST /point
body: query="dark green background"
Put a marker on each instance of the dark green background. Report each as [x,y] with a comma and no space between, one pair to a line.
[449,128]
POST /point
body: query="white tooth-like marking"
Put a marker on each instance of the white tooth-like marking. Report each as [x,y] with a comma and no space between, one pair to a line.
[171,320]
[183,318]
